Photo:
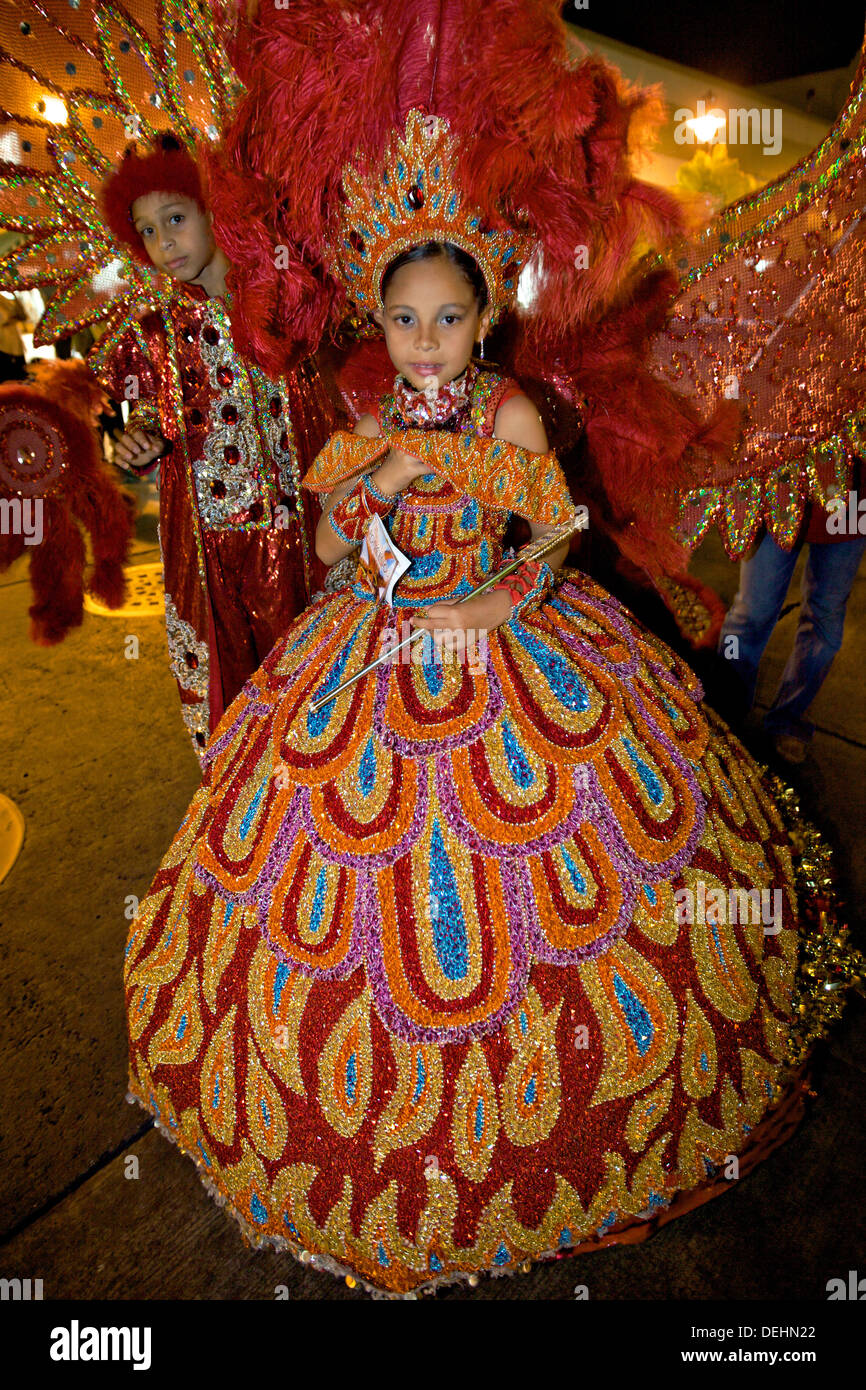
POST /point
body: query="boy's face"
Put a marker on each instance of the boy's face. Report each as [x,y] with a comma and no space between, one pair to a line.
[175,233]
[431,321]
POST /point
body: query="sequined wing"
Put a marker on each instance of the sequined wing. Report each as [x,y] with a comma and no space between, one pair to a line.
[80,79]
[771,314]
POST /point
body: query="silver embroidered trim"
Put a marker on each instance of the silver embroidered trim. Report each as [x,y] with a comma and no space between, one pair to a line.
[182,639]
[197,719]
[241,480]
[285,459]
[342,573]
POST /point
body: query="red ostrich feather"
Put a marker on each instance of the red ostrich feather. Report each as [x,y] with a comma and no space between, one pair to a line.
[645,444]
[551,143]
[327,82]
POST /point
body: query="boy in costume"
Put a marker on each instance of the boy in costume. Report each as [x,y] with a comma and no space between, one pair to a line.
[230,444]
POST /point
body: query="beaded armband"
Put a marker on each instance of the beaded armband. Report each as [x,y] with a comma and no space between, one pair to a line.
[527,586]
[377,495]
[349,517]
[497,474]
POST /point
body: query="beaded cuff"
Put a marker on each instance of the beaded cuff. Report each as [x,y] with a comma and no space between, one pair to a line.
[340,533]
[377,496]
[349,517]
[527,586]
[344,455]
[497,474]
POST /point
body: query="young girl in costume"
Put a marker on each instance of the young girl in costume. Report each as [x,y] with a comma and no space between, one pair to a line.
[463,968]
[230,444]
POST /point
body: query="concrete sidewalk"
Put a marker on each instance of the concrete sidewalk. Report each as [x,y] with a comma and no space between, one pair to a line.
[96,757]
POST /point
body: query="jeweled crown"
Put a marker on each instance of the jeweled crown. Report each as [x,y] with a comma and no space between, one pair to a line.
[414,197]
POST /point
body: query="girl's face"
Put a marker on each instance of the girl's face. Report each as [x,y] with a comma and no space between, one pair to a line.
[431,321]
[176,234]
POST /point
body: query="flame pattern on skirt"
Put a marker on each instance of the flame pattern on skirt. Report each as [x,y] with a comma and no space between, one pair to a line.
[410,984]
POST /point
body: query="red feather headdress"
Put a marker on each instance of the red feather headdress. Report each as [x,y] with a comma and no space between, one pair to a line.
[546,146]
[547,143]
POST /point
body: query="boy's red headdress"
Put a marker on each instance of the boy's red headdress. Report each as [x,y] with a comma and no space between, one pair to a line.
[166,167]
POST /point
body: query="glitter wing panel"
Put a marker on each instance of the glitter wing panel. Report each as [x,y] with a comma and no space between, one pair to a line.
[771,314]
[80,79]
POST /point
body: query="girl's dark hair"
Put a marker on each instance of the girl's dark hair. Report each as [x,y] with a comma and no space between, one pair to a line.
[428,251]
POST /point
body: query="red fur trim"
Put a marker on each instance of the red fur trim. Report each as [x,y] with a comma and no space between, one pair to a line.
[56,572]
[70,384]
[161,170]
[85,496]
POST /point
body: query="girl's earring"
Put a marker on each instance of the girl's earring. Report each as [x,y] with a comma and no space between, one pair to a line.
[481,349]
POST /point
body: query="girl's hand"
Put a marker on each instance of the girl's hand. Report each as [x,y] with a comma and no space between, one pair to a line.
[398,470]
[446,621]
[138,449]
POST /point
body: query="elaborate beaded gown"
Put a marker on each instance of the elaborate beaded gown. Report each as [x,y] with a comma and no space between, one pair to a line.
[411,985]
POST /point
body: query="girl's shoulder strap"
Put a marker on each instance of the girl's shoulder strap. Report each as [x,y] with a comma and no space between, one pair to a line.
[385,412]
[491,391]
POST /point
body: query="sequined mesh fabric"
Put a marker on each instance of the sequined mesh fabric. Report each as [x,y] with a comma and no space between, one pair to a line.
[412,984]
[770,314]
[80,80]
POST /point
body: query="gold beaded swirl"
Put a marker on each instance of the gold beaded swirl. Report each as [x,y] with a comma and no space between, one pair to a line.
[411,198]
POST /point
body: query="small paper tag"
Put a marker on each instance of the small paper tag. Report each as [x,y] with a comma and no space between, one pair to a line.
[382,561]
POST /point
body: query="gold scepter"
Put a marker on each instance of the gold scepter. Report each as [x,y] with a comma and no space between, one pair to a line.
[536,550]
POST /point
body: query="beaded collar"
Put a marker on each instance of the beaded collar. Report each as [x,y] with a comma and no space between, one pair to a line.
[476,416]
[451,402]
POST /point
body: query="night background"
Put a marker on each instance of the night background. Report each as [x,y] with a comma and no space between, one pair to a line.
[740,41]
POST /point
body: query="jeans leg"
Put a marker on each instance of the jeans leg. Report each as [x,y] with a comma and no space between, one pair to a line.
[764,581]
[827,582]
